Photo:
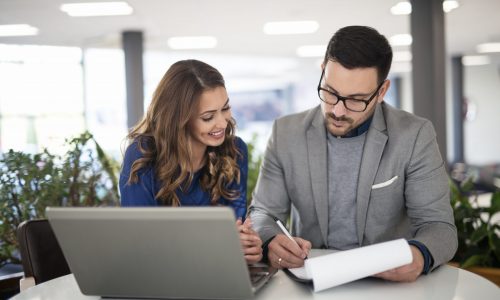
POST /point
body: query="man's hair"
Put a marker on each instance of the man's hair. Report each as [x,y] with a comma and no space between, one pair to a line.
[360,47]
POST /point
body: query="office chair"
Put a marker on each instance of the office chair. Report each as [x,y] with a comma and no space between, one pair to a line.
[41,255]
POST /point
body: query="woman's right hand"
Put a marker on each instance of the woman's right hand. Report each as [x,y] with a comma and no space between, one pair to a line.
[250,241]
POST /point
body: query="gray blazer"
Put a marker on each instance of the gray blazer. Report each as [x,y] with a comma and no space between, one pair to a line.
[402,186]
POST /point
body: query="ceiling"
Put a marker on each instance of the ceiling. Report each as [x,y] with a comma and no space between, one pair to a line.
[238,24]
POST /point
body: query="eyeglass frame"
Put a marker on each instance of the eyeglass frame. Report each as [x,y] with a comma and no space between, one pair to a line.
[343,99]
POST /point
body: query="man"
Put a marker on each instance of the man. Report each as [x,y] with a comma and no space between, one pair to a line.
[355,171]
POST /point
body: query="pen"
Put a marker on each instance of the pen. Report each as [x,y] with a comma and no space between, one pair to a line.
[282,227]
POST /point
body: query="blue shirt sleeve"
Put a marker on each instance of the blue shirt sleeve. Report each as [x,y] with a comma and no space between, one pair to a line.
[428,259]
[240,204]
[141,193]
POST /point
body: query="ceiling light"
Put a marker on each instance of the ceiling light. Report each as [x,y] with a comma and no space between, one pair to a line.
[92,9]
[475,60]
[17,30]
[404,39]
[401,8]
[488,47]
[294,27]
[404,7]
[449,5]
[311,51]
[192,42]
[401,56]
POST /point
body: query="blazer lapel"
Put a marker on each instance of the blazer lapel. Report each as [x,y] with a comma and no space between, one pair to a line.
[317,155]
[372,153]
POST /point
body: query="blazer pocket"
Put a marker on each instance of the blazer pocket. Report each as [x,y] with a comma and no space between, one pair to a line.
[385,183]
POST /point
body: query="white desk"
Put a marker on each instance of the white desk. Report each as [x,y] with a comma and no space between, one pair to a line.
[445,283]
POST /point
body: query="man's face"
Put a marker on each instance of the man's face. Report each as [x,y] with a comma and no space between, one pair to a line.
[359,83]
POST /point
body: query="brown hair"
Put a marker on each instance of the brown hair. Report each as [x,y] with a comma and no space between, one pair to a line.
[163,136]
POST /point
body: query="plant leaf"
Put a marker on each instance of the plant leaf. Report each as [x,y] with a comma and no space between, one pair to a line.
[479,234]
[495,203]
[496,242]
[474,260]
[467,185]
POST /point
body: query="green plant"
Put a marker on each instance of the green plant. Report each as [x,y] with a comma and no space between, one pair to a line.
[83,176]
[478,235]
[254,162]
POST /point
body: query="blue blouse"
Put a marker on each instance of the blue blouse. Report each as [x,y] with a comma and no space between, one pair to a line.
[143,192]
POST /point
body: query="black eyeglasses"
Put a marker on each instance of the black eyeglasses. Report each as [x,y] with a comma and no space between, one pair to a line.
[352,104]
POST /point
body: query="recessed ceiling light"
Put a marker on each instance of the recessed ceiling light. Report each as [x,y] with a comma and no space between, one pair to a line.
[293,27]
[404,7]
[401,8]
[404,39]
[475,60]
[449,5]
[93,9]
[17,30]
[488,47]
[192,42]
[311,51]
[401,56]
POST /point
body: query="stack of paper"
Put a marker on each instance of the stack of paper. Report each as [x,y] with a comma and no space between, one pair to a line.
[340,267]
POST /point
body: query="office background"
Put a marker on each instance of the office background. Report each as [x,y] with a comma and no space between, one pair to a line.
[61,75]
[69,74]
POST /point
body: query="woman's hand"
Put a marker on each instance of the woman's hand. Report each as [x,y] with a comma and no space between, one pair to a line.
[250,241]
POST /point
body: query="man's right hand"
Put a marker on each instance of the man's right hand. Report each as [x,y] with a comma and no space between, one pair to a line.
[284,253]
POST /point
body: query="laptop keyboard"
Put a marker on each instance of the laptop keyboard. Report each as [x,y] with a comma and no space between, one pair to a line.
[260,274]
[255,277]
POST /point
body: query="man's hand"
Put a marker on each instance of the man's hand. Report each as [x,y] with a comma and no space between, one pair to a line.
[406,273]
[250,241]
[284,253]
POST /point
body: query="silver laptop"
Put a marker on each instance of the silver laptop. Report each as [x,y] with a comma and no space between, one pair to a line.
[188,252]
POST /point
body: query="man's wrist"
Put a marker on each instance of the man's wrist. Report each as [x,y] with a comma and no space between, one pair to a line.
[428,259]
[265,248]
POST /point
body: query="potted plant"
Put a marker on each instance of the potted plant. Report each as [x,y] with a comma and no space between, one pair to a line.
[478,234]
[83,176]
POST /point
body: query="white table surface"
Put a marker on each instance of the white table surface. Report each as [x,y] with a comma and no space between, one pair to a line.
[444,283]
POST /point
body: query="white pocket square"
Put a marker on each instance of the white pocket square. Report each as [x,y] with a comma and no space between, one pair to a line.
[385,183]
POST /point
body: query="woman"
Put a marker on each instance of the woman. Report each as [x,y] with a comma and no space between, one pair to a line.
[184,152]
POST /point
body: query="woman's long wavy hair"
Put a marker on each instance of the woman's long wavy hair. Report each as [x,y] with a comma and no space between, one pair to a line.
[163,136]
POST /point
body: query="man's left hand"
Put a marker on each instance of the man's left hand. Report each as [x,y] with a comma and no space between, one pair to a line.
[406,273]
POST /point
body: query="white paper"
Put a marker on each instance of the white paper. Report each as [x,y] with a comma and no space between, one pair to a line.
[337,268]
[302,272]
